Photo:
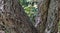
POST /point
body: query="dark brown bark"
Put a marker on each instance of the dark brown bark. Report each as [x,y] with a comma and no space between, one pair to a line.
[13,19]
[43,9]
[59,15]
[59,8]
[48,13]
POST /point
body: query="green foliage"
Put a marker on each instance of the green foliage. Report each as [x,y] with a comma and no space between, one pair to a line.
[30,8]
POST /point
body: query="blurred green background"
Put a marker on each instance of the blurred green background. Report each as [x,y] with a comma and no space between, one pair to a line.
[30,7]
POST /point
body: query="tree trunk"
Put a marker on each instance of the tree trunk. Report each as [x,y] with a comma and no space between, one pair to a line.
[59,8]
[13,19]
[48,13]
[59,15]
[52,19]
[42,14]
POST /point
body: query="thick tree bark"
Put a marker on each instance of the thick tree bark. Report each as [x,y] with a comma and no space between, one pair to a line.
[13,19]
[43,9]
[59,15]
[48,11]
[52,19]
[59,8]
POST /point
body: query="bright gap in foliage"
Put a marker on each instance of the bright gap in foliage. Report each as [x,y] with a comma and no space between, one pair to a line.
[30,7]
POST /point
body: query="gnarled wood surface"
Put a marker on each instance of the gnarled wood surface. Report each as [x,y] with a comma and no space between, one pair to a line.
[13,19]
[48,13]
